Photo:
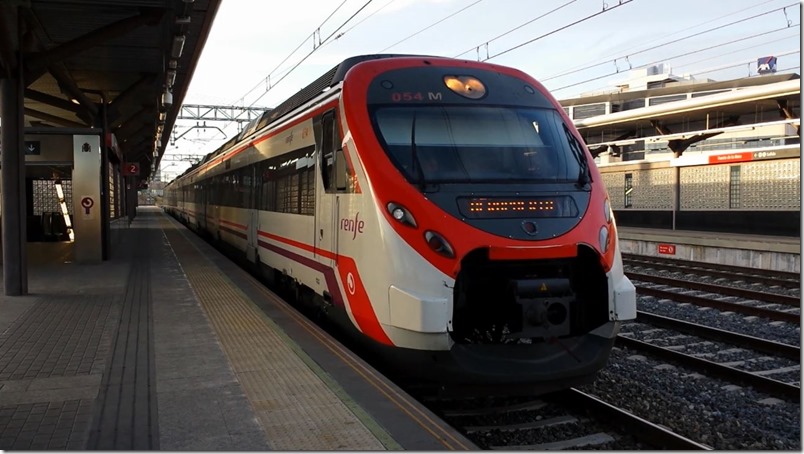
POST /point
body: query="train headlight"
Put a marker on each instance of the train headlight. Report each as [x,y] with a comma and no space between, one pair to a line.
[607,210]
[401,214]
[604,238]
[466,86]
[439,244]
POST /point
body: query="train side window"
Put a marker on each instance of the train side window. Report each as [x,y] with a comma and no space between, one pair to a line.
[268,188]
[335,170]
[328,149]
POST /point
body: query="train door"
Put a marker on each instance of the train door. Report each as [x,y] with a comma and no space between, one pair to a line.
[201,205]
[326,233]
[214,210]
[249,181]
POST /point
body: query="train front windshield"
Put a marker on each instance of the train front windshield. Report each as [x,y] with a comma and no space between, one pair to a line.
[477,144]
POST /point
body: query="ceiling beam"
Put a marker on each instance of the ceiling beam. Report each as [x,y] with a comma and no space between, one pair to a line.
[124,122]
[68,85]
[53,119]
[50,100]
[46,58]
[134,126]
[132,94]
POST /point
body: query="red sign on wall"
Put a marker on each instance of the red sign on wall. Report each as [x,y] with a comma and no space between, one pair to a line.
[669,249]
[731,157]
[131,169]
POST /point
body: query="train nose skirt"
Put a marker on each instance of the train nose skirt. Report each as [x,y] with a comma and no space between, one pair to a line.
[545,306]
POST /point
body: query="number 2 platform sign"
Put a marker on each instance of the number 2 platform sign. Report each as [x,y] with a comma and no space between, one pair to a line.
[131,169]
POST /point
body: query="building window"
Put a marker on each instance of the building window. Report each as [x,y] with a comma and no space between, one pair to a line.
[734,187]
[629,186]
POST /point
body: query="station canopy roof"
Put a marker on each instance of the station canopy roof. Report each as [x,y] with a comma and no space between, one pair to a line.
[131,55]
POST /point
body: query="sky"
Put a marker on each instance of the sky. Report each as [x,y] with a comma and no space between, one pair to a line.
[260,52]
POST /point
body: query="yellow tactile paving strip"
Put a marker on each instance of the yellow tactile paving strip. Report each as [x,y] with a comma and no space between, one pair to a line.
[297,409]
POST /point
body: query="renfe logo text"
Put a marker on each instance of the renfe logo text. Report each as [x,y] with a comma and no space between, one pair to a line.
[353,225]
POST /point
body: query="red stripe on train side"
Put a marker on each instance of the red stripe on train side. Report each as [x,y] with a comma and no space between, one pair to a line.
[321,109]
[313,113]
[234,224]
[356,295]
[359,301]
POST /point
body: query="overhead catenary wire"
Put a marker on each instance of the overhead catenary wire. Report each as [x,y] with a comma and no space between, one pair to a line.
[360,22]
[631,54]
[516,28]
[742,49]
[431,25]
[618,54]
[724,44]
[286,72]
[304,41]
[741,63]
[325,40]
[605,10]
[670,58]
[277,75]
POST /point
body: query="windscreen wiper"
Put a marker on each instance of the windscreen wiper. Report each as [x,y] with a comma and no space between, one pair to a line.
[414,158]
[584,178]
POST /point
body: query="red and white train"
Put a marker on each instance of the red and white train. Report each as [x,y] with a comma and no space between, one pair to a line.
[446,211]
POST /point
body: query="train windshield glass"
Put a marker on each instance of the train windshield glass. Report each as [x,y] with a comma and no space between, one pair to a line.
[477,144]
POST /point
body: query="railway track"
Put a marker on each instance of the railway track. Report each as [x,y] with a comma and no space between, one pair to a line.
[727,372]
[776,298]
[784,310]
[751,275]
[770,306]
[740,340]
[568,419]
[746,309]
[579,420]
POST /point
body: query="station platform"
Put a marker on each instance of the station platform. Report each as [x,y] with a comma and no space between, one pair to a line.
[756,251]
[169,345]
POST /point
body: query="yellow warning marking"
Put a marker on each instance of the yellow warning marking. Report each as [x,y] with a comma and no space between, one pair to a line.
[294,406]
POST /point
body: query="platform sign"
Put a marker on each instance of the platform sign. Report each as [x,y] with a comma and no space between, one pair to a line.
[33,147]
[766,65]
[131,169]
[752,156]
[666,249]
[730,158]
[86,199]
[88,208]
[737,157]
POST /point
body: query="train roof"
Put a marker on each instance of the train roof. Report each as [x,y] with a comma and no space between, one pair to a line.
[327,80]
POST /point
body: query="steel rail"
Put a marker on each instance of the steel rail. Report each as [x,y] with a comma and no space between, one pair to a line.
[641,428]
[764,384]
[705,270]
[720,289]
[740,270]
[722,305]
[754,343]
